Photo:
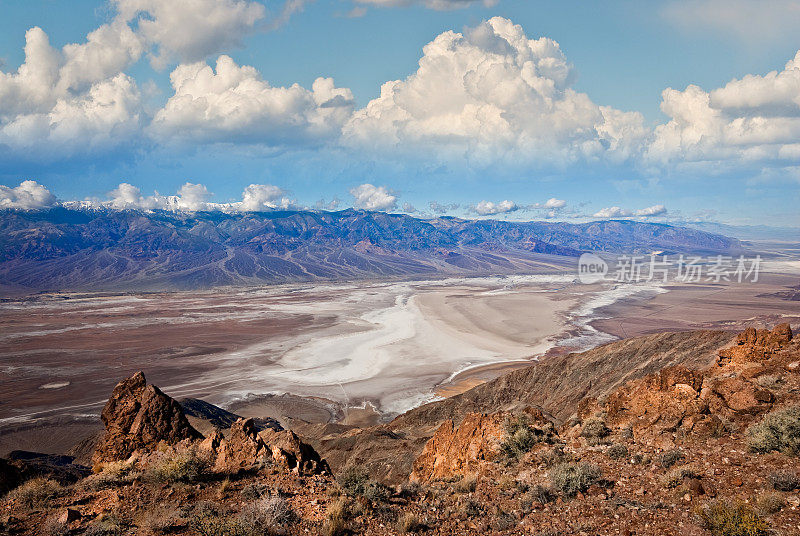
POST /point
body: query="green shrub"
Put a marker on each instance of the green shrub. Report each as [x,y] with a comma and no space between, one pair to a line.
[617,451]
[784,481]
[521,437]
[570,478]
[36,492]
[722,518]
[777,431]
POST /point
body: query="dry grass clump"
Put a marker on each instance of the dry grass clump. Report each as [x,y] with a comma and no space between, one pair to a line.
[723,518]
[337,518]
[467,484]
[570,478]
[777,431]
[179,465]
[36,492]
[53,527]
[112,474]
[409,522]
[537,495]
[108,525]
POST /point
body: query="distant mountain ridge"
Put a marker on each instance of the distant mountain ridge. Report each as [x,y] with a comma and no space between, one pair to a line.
[60,248]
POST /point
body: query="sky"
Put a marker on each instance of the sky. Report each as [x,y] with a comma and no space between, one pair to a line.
[513,109]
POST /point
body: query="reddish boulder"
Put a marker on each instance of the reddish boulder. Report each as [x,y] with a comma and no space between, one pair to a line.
[139,417]
[288,450]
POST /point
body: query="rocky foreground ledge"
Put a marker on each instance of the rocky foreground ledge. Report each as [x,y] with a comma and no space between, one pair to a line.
[691,447]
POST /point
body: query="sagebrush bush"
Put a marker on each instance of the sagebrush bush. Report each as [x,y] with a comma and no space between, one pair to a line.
[521,437]
[538,494]
[777,431]
[265,516]
[52,527]
[553,456]
[181,465]
[675,478]
[722,518]
[36,492]
[617,451]
[570,478]
[112,474]
[108,525]
[784,480]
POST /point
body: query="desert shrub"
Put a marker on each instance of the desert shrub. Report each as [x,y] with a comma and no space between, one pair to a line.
[357,483]
[36,492]
[468,484]
[570,478]
[160,519]
[769,503]
[521,436]
[784,481]
[112,474]
[408,522]
[595,430]
[668,458]
[777,431]
[722,518]
[337,517]
[617,451]
[410,489]
[182,465]
[263,517]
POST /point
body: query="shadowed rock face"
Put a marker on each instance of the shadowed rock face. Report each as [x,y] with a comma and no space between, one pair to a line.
[138,417]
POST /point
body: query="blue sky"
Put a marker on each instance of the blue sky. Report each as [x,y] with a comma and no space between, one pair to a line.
[569,131]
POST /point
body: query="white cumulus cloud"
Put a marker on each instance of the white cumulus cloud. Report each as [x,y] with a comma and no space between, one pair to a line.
[190,30]
[489,94]
[370,197]
[440,5]
[755,119]
[487,208]
[233,104]
[28,195]
[258,197]
[617,212]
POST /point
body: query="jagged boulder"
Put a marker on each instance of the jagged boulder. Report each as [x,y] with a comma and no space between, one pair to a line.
[742,396]
[242,450]
[754,345]
[288,450]
[139,416]
[246,448]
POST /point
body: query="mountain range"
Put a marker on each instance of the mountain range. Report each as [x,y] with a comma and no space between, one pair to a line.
[69,249]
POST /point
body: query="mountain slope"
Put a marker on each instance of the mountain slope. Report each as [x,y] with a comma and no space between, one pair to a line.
[80,249]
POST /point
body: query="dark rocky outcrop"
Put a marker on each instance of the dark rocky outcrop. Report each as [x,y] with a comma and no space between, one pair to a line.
[139,417]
